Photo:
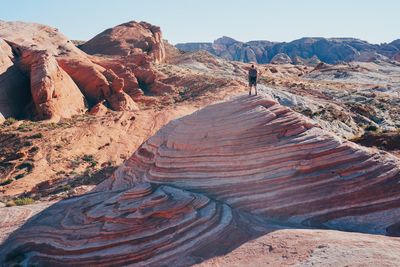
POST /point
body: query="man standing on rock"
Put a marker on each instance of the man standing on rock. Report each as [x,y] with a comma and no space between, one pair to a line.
[253,78]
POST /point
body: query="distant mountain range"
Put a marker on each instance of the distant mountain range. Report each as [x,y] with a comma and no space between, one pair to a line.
[328,50]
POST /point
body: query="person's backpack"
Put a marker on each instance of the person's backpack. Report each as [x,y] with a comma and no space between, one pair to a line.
[253,73]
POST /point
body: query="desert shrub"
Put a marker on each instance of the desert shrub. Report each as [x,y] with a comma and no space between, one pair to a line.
[9,121]
[371,128]
[23,201]
[6,182]
[25,127]
[36,136]
[89,159]
[26,165]
[19,176]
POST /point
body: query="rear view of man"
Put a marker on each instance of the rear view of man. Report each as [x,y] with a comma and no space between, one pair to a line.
[253,78]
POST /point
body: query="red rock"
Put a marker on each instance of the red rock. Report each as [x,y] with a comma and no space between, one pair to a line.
[98,110]
[144,225]
[120,101]
[208,182]
[54,93]
[128,38]
[14,86]
[264,159]
[88,76]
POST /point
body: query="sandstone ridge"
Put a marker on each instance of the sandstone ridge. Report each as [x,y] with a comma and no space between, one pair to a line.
[216,177]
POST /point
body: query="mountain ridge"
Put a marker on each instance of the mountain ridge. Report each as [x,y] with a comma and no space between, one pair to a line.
[328,50]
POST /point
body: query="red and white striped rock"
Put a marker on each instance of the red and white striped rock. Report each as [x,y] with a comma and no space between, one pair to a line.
[210,181]
[260,157]
[145,225]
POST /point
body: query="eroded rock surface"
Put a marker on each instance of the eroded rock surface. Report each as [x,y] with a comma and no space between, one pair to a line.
[120,80]
[210,181]
[263,158]
[54,93]
[144,225]
[128,38]
[14,89]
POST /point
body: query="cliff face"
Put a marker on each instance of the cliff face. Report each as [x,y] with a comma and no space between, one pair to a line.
[332,50]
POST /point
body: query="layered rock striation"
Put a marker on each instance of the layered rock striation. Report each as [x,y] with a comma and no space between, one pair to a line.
[208,182]
[260,157]
[146,225]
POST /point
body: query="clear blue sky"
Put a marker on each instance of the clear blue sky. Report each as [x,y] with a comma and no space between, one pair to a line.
[205,20]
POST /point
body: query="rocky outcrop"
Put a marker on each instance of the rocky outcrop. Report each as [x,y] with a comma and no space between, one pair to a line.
[331,50]
[139,44]
[208,182]
[145,225]
[14,85]
[128,38]
[54,94]
[255,147]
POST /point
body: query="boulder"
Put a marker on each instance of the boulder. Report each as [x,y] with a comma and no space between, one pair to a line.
[99,109]
[121,101]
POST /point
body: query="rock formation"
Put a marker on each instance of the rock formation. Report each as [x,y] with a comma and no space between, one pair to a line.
[128,38]
[54,94]
[331,50]
[145,225]
[255,147]
[14,89]
[98,78]
[207,182]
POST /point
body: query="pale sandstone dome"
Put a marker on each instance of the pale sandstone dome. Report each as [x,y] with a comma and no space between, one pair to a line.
[210,181]
[128,38]
[281,58]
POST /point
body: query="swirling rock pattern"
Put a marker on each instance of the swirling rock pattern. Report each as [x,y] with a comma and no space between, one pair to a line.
[144,225]
[210,181]
[260,157]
